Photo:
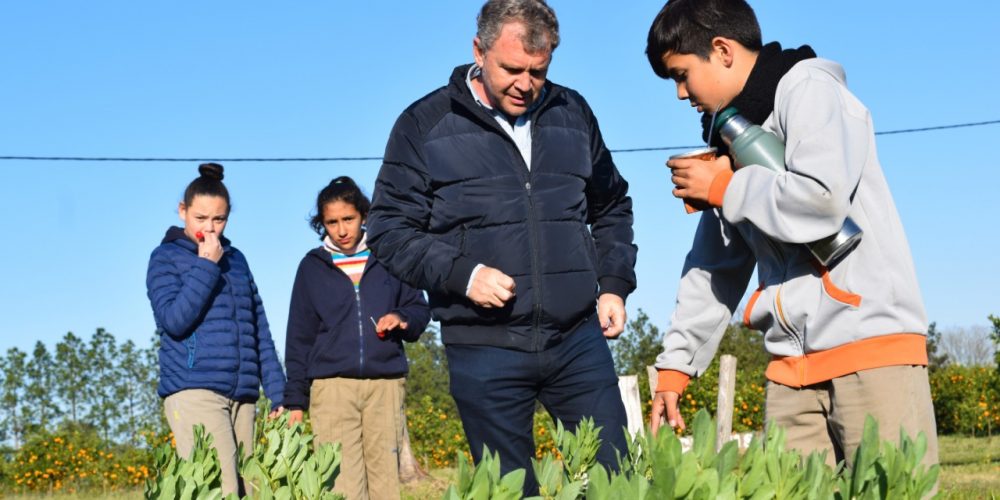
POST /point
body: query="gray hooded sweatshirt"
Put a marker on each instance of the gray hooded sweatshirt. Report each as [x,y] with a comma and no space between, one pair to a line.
[864,312]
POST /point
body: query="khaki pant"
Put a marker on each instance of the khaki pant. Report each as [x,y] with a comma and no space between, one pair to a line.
[229,422]
[365,416]
[831,415]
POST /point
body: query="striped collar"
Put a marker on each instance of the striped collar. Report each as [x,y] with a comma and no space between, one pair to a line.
[332,247]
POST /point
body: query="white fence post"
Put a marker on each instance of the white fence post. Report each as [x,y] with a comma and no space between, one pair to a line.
[628,385]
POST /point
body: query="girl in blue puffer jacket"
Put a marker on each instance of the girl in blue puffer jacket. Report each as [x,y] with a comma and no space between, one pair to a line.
[344,345]
[215,345]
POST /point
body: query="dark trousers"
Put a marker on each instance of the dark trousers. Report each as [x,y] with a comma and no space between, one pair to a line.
[495,390]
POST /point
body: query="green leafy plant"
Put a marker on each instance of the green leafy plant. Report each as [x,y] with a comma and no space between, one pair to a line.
[657,468]
[198,476]
[483,481]
[567,475]
[888,471]
[286,465]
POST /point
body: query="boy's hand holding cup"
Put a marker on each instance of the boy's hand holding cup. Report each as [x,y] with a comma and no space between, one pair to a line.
[692,174]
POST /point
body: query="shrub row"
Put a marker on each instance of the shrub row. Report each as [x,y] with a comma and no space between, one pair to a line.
[966,400]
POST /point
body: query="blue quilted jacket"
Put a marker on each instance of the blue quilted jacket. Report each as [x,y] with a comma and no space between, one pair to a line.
[213,331]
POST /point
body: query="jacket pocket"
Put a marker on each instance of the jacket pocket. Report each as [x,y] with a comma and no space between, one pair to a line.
[590,245]
[813,308]
[835,292]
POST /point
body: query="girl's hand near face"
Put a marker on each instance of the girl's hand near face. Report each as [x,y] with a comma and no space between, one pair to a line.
[210,248]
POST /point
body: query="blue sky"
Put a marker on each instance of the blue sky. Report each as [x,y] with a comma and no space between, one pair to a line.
[325,79]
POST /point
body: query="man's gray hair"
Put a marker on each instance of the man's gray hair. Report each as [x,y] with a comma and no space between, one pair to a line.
[539,20]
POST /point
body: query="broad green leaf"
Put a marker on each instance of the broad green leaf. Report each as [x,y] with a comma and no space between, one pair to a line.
[309,482]
[687,473]
[514,480]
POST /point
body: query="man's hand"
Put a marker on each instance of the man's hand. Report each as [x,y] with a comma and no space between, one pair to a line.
[611,314]
[294,417]
[693,177]
[491,288]
[665,405]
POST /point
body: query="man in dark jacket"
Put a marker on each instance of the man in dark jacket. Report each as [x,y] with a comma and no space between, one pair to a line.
[498,196]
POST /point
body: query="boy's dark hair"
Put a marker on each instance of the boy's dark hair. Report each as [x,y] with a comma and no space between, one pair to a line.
[342,189]
[688,27]
[209,183]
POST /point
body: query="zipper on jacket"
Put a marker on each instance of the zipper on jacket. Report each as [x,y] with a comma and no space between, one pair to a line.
[535,270]
[236,321]
[532,224]
[361,334]
[785,324]
[357,301]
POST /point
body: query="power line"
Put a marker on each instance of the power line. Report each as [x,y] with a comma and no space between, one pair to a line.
[939,127]
[379,158]
[219,160]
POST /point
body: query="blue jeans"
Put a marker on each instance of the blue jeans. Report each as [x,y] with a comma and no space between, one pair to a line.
[495,390]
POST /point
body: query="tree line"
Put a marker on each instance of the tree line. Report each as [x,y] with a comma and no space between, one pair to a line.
[110,386]
[97,383]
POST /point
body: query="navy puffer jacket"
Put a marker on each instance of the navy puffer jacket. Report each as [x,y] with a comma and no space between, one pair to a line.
[454,191]
[213,331]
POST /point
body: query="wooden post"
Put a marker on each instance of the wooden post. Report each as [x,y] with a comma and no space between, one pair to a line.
[654,378]
[409,468]
[628,385]
[727,391]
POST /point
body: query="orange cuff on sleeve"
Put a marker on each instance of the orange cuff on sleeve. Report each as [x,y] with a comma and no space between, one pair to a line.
[671,380]
[717,191]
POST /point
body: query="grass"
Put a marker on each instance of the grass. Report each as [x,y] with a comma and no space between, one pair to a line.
[432,486]
[970,467]
[122,495]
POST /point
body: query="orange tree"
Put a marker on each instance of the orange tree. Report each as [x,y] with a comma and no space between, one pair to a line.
[73,459]
[966,399]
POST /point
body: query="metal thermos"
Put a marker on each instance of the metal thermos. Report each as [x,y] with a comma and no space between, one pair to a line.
[749,144]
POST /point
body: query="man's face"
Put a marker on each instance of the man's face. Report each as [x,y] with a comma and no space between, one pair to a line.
[706,84]
[512,78]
